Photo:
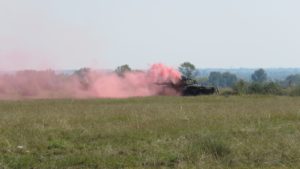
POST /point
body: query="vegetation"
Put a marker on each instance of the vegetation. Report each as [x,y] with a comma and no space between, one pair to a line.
[82,74]
[120,70]
[295,91]
[259,76]
[248,131]
[292,80]
[219,79]
[187,69]
[230,84]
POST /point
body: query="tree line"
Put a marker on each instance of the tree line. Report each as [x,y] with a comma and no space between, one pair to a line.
[231,84]
[258,84]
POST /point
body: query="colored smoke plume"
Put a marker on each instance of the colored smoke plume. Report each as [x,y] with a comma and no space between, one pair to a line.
[88,84]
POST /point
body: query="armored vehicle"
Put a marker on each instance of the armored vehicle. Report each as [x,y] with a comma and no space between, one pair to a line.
[189,87]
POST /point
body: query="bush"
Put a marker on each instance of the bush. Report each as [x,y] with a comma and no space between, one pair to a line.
[241,87]
[256,88]
[295,91]
[272,88]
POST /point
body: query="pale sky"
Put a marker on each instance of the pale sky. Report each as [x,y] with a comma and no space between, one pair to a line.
[64,34]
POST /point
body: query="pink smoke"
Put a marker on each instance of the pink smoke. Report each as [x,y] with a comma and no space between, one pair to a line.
[88,84]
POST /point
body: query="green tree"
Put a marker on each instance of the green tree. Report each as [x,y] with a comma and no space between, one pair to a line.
[228,79]
[272,88]
[83,77]
[82,71]
[292,80]
[215,78]
[219,79]
[295,91]
[241,87]
[256,88]
[122,69]
[187,69]
[259,76]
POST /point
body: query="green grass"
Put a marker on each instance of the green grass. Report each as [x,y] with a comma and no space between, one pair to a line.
[154,132]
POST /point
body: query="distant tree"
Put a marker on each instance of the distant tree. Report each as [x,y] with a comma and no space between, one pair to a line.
[187,69]
[228,79]
[219,79]
[292,80]
[259,76]
[122,69]
[83,77]
[215,78]
[295,91]
[82,71]
[241,87]
[256,88]
[272,88]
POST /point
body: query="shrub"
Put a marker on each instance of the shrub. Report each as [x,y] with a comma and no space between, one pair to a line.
[256,88]
[264,88]
[241,87]
[272,88]
[295,91]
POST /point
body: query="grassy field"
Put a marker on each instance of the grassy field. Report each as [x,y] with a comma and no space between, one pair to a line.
[154,132]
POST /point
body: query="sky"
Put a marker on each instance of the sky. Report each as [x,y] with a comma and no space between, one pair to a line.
[70,34]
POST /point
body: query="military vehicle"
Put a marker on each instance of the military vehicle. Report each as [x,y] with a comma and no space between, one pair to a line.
[189,87]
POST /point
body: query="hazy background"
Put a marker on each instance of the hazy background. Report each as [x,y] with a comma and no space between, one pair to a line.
[69,34]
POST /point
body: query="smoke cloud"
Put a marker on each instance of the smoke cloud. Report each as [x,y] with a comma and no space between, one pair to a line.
[88,83]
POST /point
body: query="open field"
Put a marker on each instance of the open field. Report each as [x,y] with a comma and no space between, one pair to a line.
[154,132]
